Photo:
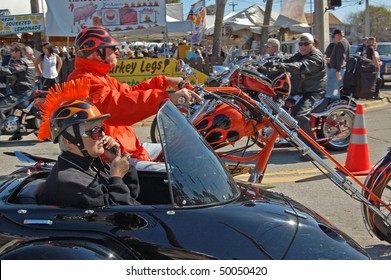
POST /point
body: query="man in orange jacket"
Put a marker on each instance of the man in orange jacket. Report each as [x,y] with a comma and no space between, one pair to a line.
[96,56]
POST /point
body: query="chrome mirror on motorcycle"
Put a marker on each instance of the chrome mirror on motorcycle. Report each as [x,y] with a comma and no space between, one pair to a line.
[180,66]
[187,71]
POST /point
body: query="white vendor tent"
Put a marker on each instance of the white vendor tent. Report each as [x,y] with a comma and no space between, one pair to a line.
[252,19]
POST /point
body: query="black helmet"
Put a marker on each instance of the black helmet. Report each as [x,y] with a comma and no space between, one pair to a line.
[73,112]
[93,38]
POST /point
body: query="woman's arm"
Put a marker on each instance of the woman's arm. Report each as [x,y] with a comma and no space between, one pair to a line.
[59,63]
[38,65]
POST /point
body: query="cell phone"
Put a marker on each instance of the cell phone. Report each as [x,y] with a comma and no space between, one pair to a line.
[114,150]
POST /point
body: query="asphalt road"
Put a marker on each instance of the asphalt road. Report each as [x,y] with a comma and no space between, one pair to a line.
[299,180]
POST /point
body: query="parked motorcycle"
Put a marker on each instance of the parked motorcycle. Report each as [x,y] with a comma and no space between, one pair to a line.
[331,121]
[24,118]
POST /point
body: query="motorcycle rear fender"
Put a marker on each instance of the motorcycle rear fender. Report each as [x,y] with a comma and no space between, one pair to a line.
[343,101]
[64,250]
[328,111]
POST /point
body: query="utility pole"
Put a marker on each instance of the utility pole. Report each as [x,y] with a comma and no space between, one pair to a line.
[366,30]
[321,23]
[36,35]
[233,4]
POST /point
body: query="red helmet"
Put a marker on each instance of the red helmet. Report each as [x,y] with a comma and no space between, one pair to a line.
[93,38]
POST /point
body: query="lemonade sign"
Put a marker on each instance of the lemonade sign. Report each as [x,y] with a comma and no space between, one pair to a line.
[21,24]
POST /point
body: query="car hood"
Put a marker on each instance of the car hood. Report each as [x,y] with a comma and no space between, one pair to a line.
[385,57]
[270,226]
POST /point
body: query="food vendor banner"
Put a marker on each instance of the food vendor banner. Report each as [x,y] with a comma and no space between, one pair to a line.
[135,71]
[68,18]
[197,16]
[21,24]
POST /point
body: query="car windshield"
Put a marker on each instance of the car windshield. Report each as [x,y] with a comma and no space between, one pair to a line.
[384,49]
[196,175]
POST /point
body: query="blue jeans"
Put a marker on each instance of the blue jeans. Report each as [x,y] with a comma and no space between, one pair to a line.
[333,85]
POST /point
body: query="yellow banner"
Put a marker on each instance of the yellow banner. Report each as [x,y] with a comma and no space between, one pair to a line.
[134,71]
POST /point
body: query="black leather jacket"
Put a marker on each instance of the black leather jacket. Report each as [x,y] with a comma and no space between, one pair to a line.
[78,182]
[20,75]
[308,72]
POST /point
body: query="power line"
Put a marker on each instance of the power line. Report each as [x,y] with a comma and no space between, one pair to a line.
[233,4]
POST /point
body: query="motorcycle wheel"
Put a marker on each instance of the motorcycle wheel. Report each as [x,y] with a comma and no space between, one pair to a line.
[154,132]
[338,126]
[379,182]
[33,123]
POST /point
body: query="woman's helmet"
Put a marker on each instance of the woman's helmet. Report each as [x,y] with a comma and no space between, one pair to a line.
[73,112]
[93,38]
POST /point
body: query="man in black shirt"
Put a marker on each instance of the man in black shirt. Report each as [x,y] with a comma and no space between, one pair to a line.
[338,60]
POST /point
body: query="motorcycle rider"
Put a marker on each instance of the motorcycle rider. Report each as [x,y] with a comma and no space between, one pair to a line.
[272,48]
[80,178]
[308,76]
[20,73]
[96,56]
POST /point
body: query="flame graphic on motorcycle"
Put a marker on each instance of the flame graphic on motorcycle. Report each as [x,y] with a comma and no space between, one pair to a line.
[226,126]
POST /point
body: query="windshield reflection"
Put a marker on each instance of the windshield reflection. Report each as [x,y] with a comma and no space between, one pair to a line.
[196,175]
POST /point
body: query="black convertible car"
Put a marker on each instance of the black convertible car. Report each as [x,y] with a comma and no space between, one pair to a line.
[191,209]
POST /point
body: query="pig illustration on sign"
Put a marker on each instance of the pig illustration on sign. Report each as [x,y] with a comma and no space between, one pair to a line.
[82,14]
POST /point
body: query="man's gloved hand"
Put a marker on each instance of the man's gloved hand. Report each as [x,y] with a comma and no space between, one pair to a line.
[279,66]
[268,64]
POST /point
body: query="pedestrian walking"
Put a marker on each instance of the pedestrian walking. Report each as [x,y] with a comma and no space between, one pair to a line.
[338,60]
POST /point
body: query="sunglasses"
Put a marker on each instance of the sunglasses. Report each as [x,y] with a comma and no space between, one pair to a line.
[269,47]
[95,133]
[304,44]
[113,48]
[12,50]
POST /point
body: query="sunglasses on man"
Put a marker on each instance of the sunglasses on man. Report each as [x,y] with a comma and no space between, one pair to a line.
[304,44]
[95,133]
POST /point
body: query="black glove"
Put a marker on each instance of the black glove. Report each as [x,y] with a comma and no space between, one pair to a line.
[279,66]
[268,64]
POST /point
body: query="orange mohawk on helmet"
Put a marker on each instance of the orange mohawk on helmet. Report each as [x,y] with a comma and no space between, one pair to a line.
[58,96]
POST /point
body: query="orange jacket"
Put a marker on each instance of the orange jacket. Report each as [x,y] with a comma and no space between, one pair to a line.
[126,104]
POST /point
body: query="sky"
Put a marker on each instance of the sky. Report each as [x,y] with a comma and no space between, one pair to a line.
[348,6]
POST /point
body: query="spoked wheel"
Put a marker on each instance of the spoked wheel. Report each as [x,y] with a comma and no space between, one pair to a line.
[338,126]
[379,183]
[155,138]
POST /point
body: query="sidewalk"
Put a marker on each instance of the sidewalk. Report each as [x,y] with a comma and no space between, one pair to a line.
[366,104]
[386,93]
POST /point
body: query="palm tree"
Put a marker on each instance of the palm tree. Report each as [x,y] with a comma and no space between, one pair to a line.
[266,23]
[219,21]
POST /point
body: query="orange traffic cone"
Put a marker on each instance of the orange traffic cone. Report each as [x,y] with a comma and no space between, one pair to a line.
[357,159]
